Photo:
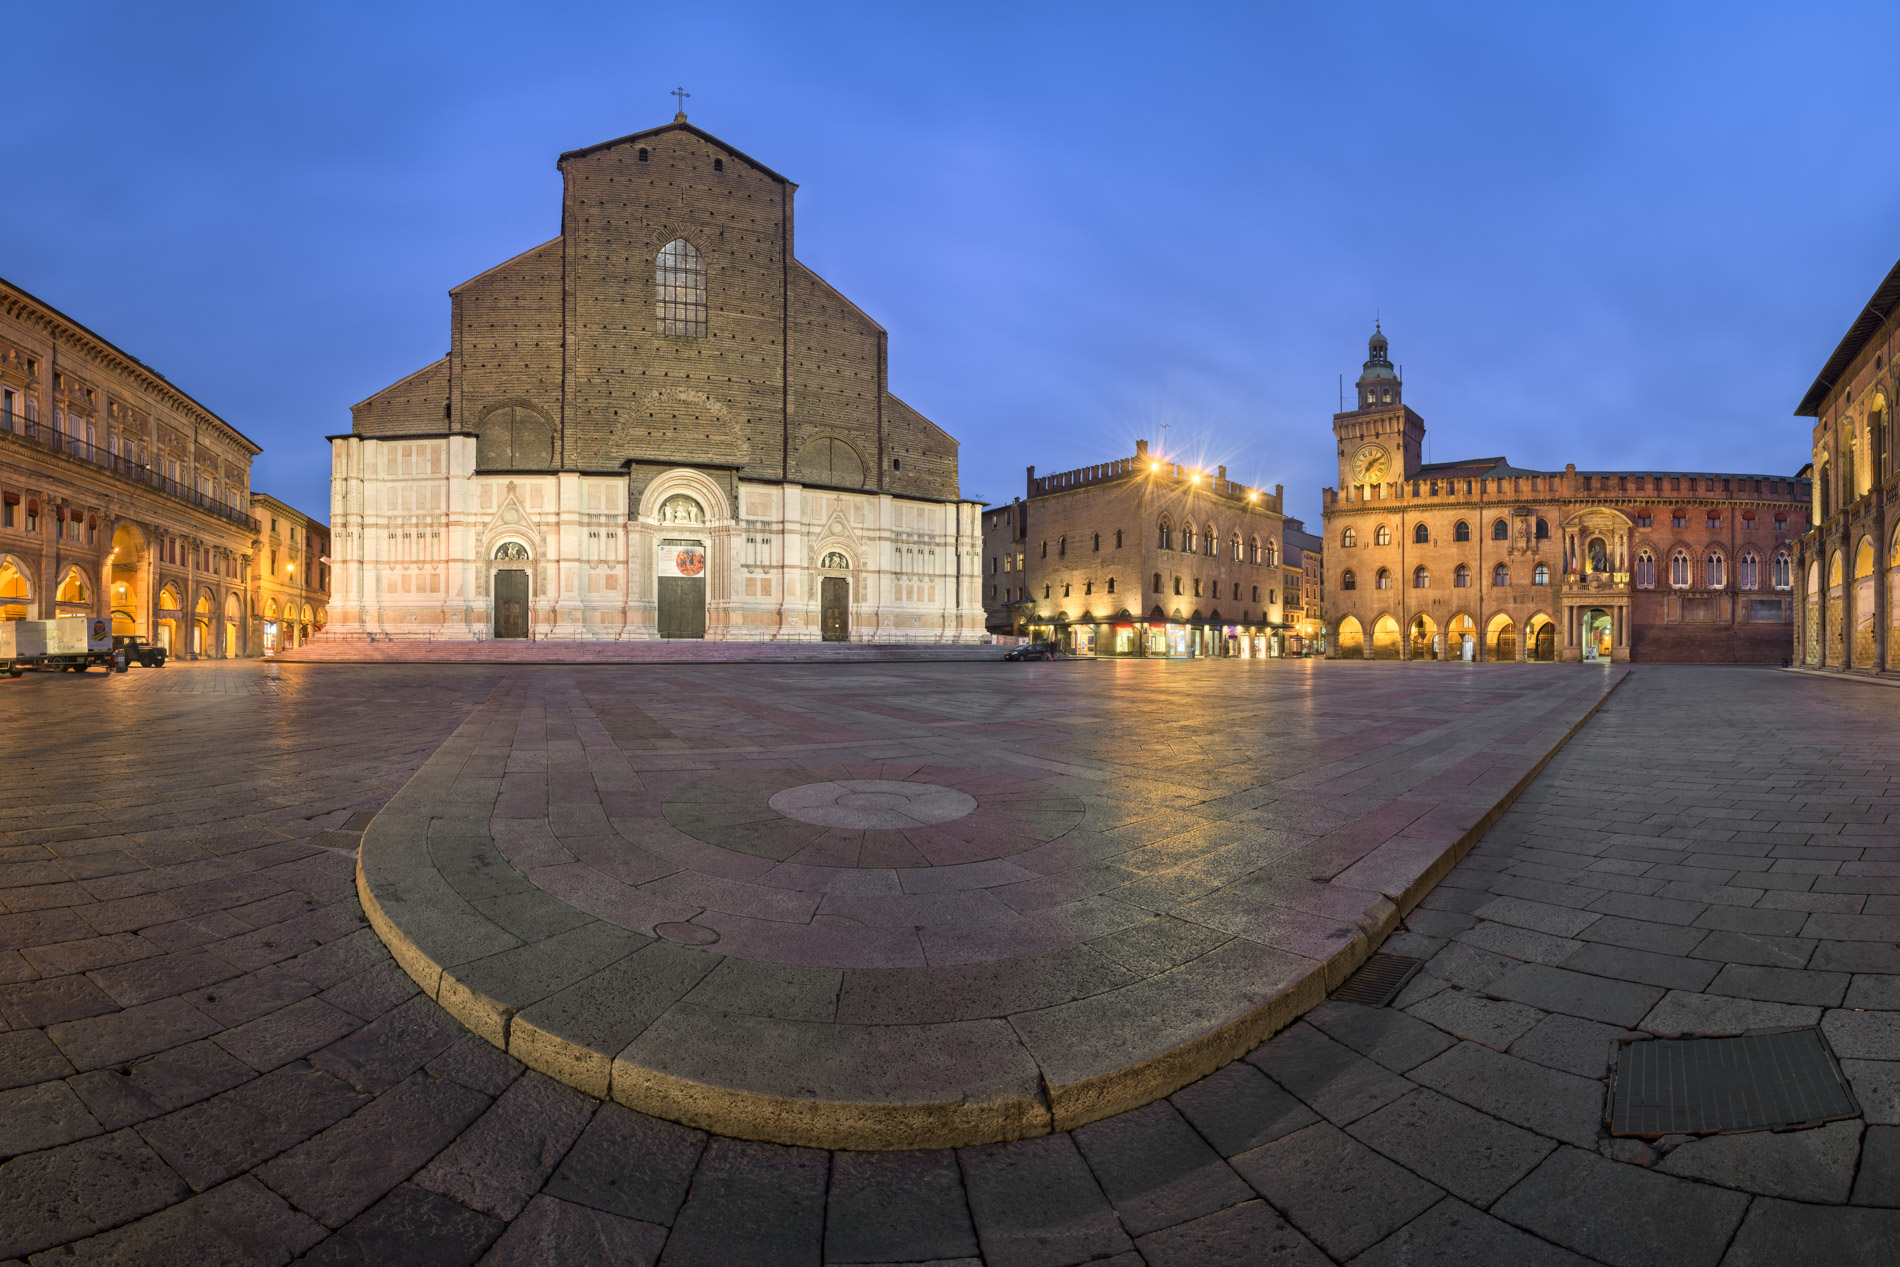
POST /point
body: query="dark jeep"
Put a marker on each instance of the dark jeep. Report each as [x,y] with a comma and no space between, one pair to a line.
[136,648]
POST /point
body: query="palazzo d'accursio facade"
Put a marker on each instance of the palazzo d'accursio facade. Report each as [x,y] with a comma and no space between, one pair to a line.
[657,424]
[1482,560]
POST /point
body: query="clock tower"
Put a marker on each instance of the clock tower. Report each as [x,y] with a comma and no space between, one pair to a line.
[1380,440]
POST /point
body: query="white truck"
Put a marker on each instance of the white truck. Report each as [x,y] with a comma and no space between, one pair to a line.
[65,642]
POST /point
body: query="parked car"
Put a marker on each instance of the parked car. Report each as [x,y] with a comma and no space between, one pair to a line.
[1034,651]
[137,648]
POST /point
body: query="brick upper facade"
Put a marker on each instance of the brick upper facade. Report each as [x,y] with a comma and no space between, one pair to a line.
[559,350]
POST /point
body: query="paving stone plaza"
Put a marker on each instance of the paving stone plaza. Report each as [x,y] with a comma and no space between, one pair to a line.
[931,963]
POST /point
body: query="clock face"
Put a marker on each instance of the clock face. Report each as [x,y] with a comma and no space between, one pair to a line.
[1368,466]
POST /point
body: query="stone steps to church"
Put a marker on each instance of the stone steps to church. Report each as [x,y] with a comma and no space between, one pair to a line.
[422,651]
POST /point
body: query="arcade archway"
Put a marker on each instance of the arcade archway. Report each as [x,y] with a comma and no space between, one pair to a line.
[1352,639]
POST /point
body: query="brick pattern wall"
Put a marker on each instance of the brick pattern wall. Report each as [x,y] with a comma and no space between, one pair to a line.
[417,404]
[507,338]
[570,329]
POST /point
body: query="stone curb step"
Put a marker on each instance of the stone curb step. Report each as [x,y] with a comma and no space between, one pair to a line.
[580,1008]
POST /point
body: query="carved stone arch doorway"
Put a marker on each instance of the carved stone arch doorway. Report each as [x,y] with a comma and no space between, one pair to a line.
[510,589]
[834,593]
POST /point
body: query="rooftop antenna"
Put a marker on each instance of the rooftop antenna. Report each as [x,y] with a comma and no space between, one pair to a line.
[680,95]
[1342,393]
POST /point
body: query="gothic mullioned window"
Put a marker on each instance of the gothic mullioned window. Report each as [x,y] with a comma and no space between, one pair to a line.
[680,290]
[1187,538]
[1164,536]
[1748,571]
[1716,571]
[1273,556]
[1645,571]
[1782,578]
[1679,570]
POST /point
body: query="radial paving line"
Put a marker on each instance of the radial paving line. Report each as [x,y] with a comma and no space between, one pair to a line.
[928,942]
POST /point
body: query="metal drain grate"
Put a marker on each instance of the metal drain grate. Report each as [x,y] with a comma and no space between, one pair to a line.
[1746,1082]
[1378,980]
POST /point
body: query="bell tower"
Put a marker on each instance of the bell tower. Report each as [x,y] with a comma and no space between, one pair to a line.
[1380,440]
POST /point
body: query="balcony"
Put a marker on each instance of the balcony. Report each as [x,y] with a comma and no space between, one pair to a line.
[123,467]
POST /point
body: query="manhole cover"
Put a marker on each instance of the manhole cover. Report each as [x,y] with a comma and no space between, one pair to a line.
[1379,980]
[1743,1082]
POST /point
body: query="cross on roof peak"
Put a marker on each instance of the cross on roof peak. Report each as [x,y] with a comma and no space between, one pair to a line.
[680,95]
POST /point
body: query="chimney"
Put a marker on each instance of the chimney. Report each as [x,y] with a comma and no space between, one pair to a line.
[1141,448]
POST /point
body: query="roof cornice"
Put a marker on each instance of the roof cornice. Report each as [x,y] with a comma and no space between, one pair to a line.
[23,306]
[1868,323]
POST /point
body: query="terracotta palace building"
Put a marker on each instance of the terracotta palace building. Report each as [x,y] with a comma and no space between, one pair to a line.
[1848,566]
[122,497]
[1138,557]
[1482,560]
[657,424]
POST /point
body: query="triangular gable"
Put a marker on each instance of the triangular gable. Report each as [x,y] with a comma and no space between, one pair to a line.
[702,134]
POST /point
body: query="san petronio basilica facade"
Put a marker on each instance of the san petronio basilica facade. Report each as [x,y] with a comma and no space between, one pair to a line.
[657,424]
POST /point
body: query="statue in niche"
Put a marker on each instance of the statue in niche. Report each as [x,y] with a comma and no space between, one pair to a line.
[1599,555]
[681,509]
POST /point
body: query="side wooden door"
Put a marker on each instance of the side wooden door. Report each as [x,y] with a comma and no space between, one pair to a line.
[835,598]
[511,603]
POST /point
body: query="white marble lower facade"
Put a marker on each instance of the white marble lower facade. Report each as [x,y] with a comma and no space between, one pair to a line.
[420,542]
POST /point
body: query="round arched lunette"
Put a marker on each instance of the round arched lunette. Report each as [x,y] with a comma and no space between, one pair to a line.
[831,461]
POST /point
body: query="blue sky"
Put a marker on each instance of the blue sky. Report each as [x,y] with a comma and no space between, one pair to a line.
[1620,235]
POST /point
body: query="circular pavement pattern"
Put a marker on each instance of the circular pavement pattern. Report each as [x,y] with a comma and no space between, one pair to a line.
[873,803]
[904,816]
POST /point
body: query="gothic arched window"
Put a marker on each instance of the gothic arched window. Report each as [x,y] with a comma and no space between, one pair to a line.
[1461,531]
[1500,531]
[1347,581]
[1383,580]
[1679,570]
[1421,579]
[1421,534]
[1782,578]
[1543,530]
[1461,577]
[1187,537]
[1348,539]
[1645,571]
[1164,536]
[1273,556]
[1500,576]
[1748,571]
[1211,541]
[680,290]
[1382,536]
[1541,576]
[1716,573]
